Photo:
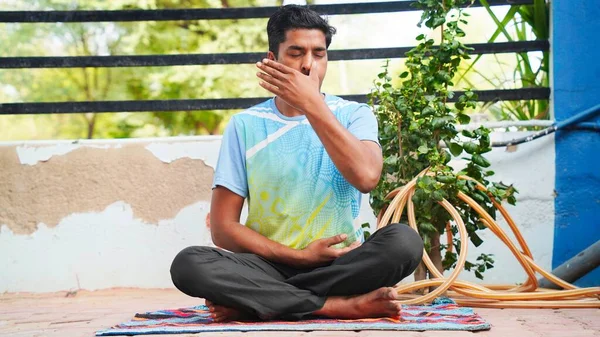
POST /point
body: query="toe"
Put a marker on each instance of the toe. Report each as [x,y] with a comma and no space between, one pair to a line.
[219,317]
[391,306]
[218,308]
[390,293]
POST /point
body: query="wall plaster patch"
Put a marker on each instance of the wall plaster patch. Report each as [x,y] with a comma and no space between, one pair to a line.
[203,150]
[31,155]
[88,179]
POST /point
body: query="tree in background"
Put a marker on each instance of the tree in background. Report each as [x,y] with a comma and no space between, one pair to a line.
[138,83]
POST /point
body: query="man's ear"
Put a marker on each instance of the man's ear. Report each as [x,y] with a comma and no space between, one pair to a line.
[271,56]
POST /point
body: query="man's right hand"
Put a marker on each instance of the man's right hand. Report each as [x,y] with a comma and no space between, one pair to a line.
[320,252]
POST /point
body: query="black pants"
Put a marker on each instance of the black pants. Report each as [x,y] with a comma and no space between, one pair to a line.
[271,290]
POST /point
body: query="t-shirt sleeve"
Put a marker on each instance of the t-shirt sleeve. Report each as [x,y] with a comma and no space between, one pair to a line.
[231,165]
[363,124]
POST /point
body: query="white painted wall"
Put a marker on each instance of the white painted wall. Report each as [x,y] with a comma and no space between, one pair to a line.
[111,248]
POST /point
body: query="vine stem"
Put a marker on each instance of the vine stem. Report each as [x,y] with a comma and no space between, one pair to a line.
[400,150]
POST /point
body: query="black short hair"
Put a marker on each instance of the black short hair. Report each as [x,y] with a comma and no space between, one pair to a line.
[295,17]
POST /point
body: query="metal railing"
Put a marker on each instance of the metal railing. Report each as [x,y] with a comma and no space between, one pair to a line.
[223,58]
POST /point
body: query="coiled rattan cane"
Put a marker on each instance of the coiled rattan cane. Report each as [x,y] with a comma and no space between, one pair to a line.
[527,295]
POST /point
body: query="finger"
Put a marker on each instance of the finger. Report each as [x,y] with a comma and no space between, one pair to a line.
[269,79]
[355,244]
[343,251]
[270,70]
[269,87]
[276,65]
[314,74]
[334,240]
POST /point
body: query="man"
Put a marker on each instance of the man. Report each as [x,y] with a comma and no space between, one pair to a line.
[302,160]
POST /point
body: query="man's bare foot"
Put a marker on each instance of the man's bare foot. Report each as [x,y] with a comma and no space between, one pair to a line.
[378,303]
[222,314]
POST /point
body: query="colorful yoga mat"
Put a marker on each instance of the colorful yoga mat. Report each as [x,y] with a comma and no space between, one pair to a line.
[442,314]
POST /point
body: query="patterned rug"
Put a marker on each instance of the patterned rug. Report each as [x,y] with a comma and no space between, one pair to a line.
[442,314]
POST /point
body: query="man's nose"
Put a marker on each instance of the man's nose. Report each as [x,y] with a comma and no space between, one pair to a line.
[306,65]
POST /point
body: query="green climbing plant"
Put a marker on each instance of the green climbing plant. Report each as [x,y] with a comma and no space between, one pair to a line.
[417,131]
[525,22]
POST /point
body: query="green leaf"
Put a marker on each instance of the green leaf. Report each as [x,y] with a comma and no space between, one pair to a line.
[439,122]
[480,160]
[445,179]
[428,111]
[423,149]
[427,227]
[426,180]
[420,37]
[404,74]
[449,260]
[430,98]
[499,24]
[475,239]
[470,147]
[391,160]
[454,148]
[438,195]
[485,149]
[463,119]
[512,200]
[446,157]
[478,275]
[468,134]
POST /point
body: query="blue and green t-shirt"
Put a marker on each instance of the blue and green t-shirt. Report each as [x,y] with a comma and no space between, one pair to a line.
[295,193]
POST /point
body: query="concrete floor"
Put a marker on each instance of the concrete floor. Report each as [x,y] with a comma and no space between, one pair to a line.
[81,314]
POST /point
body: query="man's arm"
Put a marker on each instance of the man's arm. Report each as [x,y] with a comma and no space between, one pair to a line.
[360,162]
[228,233]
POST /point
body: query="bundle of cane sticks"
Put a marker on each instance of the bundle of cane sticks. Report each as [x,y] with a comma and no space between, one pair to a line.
[526,295]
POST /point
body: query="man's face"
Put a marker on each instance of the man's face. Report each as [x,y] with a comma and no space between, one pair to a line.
[300,48]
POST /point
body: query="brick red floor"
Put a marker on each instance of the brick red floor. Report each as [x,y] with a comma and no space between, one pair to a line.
[56,314]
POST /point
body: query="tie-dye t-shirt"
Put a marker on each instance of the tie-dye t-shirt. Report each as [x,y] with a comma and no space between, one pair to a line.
[295,193]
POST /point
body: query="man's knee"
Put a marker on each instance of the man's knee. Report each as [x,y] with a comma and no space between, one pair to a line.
[189,266]
[403,243]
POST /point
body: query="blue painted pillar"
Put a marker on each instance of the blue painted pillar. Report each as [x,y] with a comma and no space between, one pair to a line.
[575,48]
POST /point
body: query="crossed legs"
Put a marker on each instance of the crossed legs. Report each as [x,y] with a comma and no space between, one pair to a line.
[353,286]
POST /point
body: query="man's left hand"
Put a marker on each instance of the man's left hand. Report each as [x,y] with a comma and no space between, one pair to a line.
[290,85]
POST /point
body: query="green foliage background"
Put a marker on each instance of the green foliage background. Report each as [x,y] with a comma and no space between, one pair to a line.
[217,81]
[133,83]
